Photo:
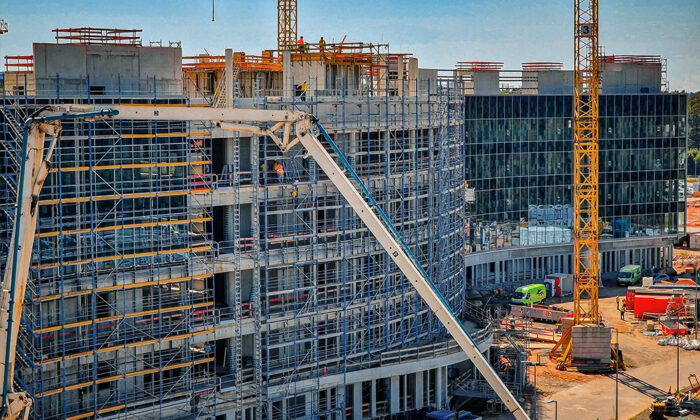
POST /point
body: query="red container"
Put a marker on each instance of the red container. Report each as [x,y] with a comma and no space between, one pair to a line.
[650,306]
[629,300]
[673,328]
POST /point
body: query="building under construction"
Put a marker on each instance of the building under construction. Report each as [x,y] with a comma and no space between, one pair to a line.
[180,270]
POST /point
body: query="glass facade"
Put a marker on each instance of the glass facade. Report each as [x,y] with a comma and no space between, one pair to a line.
[519,153]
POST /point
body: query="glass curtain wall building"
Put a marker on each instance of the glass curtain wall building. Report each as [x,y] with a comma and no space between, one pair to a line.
[520,163]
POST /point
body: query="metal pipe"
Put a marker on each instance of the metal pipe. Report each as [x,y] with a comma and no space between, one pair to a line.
[617,368]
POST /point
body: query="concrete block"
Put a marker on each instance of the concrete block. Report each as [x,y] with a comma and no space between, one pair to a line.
[591,343]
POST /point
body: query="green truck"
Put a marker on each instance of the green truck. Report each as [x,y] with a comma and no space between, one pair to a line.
[629,275]
[530,294]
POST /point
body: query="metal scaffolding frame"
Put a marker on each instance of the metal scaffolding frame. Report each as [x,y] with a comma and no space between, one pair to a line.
[119,311]
[314,295]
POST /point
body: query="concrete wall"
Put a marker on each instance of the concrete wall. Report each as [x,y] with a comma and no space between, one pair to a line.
[126,68]
[631,78]
[486,82]
[555,82]
[322,78]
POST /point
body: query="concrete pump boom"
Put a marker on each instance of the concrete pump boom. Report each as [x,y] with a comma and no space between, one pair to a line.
[341,175]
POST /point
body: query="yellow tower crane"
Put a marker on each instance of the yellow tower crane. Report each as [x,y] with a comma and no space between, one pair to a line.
[286,24]
[586,90]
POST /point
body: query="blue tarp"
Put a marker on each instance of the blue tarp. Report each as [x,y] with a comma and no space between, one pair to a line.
[448,415]
[441,415]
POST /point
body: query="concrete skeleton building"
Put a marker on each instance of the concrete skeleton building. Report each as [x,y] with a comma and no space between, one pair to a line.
[176,274]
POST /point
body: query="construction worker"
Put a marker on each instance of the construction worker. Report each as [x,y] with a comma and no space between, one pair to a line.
[300,43]
[300,90]
[622,311]
[321,44]
[280,172]
[617,300]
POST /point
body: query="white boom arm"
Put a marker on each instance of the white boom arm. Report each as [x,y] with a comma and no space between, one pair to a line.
[372,216]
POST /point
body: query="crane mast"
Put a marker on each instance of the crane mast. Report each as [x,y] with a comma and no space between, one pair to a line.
[286,24]
[586,86]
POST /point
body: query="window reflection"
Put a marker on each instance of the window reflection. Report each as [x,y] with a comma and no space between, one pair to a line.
[519,162]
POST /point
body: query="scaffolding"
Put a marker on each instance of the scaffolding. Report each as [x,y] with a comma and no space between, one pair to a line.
[149,239]
[118,316]
[330,301]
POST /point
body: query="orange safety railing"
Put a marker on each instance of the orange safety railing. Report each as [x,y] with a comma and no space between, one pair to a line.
[218,62]
[637,59]
[19,63]
[99,36]
[479,65]
[542,65]
[342,52]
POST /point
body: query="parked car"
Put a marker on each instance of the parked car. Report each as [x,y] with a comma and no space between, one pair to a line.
[629,275]
[658,278]
[527,295]
[665,270]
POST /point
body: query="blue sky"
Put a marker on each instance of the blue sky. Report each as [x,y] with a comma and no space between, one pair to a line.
[438,32]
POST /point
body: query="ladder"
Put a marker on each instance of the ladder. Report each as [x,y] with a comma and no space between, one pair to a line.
[238,299]
[220,92]
[255,291]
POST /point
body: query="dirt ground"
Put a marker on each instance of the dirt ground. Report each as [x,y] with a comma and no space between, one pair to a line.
[693,207]
[638,350]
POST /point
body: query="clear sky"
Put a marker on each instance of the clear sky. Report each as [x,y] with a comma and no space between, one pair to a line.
[438,32]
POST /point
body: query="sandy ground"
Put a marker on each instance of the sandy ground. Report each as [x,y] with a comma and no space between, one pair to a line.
[693,207]
[596,399]
[642,354]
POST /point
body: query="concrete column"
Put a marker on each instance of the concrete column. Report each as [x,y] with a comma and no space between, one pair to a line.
[309,404]
[228,77]
[427,387]
[444,384]
[394,398]
[138,299]
[340,395]
[357,401]
[419,390]
[373,399]
[438,388]
[287,75]
[229,279]
[405,392]
[283,407]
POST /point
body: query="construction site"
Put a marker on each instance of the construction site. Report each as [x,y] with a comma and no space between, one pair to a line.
[192,258]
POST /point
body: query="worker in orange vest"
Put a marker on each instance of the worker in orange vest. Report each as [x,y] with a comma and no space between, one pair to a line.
[280,172]
[300,43]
